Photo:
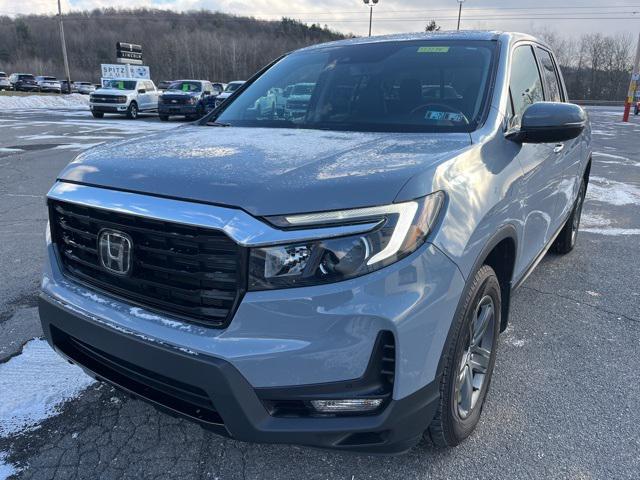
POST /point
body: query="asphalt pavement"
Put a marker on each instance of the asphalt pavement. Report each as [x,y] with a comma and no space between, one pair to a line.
[565,396]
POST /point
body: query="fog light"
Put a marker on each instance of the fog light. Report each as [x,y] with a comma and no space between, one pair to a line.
[350,405]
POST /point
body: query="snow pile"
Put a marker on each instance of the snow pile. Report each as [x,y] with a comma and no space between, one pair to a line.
[26,102]
[34,384]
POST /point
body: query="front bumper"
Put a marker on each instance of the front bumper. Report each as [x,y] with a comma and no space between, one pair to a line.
[169,109]
[108,107]
[214,393]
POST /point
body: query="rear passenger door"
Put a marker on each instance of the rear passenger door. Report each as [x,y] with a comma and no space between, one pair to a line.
[538,189]
[567,160]
[153,94]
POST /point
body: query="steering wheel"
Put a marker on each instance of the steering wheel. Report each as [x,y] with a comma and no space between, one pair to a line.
[441,107]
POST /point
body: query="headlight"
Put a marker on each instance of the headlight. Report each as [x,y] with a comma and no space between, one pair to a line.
[192,101]
[401,229]
[122,99]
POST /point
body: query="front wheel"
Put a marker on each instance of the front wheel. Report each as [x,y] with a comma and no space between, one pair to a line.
[97,114]
[566,239]
[132,111]
[468,358]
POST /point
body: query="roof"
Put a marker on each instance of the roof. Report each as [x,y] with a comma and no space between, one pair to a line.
[477,35]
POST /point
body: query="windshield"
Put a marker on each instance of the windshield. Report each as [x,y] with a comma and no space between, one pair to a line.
[232,87]
[120,84]
[26,77]
[49,78]
[392,86]
[186,86]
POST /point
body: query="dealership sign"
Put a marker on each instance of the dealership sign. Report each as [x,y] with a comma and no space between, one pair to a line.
[110,70]
[129,53]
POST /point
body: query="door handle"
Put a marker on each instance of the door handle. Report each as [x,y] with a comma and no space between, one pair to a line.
[558,148]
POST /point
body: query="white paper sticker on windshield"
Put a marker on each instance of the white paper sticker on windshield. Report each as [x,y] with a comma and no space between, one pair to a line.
[450,116]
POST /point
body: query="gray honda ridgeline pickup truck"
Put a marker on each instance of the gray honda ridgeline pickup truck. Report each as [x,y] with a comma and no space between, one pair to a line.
[336,278]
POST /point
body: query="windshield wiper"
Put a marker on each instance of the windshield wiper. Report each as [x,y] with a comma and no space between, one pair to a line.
[217,124]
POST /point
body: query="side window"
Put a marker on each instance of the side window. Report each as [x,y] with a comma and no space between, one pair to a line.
[552,87]
[149,86]
[526,84]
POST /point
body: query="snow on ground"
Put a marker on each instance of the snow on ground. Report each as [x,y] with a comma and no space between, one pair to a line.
[593,223]
[33,385]
[6,469]
[612,192]
[25,102]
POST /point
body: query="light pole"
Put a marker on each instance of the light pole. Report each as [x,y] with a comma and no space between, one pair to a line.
[371,3]
[64,48]
[460,2]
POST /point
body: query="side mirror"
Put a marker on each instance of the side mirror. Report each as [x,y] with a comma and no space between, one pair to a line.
[549,122]
[142,90]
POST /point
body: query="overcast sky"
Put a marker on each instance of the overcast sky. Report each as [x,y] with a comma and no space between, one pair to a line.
[570,17]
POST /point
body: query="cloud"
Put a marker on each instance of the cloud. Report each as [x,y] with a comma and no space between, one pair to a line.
[389,16]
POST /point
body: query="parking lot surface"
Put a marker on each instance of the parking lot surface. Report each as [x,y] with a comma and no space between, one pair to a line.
[565,396]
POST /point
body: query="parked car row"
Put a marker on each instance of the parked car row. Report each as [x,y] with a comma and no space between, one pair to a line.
[186,98]
[26,82]
[194,98]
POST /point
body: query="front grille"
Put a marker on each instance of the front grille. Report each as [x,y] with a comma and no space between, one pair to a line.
[193,273]
[107,99]
[177,100]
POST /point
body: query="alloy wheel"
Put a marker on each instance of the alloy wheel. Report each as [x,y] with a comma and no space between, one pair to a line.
[476,358]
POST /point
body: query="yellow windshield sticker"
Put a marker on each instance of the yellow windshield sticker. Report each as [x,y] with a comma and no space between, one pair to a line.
[433,49]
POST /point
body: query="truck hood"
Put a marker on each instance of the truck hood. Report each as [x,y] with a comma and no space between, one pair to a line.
[111,91]
[266,171]
[180,93]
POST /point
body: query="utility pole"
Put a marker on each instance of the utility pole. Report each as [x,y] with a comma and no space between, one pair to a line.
[460,2]
[370,3]
[64,48]
[633,85]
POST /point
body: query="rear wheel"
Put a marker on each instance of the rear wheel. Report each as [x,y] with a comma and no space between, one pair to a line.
[97,114]
[469,358]
[132,111]
[566,240]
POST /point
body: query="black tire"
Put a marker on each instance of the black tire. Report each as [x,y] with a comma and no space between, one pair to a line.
[132,111]
[164,118]
[97,114]
[636,110]
[456,418]
[568,236]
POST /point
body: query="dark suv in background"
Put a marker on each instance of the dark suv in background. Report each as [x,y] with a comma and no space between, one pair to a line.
[184,98]
[24,82]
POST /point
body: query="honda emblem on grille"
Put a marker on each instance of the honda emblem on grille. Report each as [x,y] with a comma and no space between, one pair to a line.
[114,250]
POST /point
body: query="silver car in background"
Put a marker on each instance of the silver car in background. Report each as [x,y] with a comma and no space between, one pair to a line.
[48,84]
[85,88]
[5,84]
